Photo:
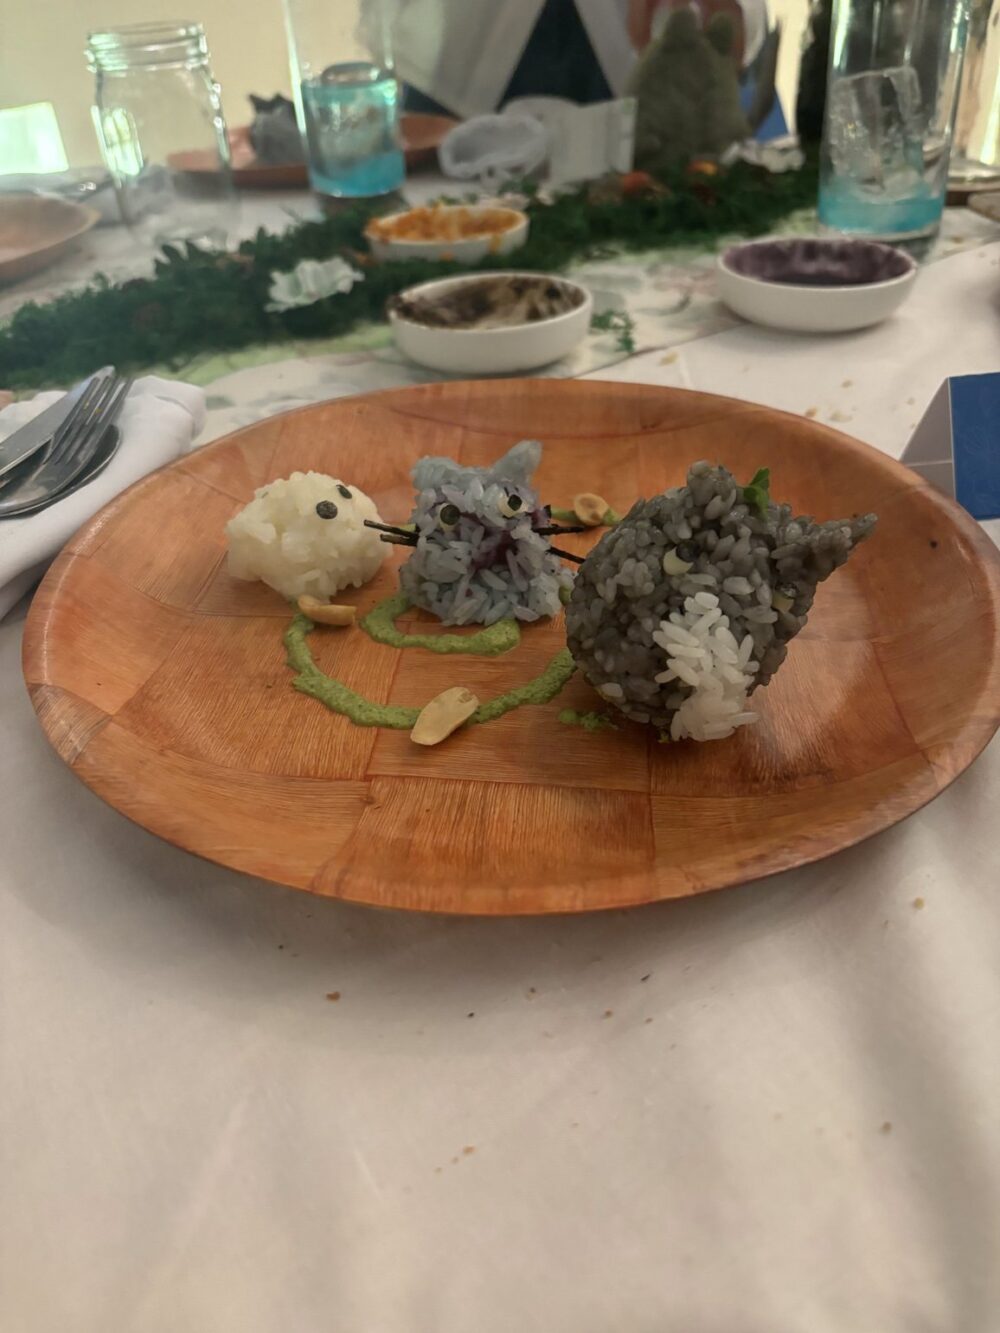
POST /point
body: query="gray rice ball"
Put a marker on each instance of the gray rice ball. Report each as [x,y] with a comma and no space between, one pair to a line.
[688,604]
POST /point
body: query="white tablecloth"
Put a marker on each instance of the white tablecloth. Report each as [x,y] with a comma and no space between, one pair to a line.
[769,1110]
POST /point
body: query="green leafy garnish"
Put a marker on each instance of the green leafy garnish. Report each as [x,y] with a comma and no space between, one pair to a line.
[620,323]
[756,495]
[590,721]
[201,303]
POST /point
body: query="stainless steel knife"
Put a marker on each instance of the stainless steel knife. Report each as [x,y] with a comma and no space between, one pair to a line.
[37,432]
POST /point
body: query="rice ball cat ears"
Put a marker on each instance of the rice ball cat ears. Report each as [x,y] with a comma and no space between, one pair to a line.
[516,467]
[513,472]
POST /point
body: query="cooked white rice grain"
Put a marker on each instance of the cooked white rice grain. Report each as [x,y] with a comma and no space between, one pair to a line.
[720,682]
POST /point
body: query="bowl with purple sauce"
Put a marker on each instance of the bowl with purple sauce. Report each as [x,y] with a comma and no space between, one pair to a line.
[815,284]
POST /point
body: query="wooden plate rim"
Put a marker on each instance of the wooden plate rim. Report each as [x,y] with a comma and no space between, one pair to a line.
[37,258]
[978,727]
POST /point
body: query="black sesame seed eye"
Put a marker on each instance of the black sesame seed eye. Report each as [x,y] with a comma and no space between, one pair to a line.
[343,491]
[448,515]
[687,552]
[510,505]
[326,509]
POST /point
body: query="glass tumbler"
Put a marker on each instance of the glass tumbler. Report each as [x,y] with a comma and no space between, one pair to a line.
[891,95]
[346,95]
[975,155]
[159,123]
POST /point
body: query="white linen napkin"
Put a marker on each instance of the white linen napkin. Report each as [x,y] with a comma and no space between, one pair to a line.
[158,423]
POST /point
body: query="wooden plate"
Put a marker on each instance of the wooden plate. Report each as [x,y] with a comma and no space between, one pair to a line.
[36,230]
[248,172]
[421,136]
[161,681]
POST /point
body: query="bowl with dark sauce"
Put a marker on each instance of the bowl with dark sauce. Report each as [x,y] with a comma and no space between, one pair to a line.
[815,284]
[490,324]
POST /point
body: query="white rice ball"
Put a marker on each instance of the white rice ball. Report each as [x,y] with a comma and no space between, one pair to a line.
[306,534]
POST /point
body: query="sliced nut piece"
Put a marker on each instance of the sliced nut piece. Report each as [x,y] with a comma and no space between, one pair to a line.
[674,564]
[783,596]
[326,613]
[590,508]
[444,714]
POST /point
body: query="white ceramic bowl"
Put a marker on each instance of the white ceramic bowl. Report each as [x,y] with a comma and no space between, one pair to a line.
[815,284]
[467,251]
[491,351]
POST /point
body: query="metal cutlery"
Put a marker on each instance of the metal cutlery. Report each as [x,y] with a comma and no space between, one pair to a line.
[40,430]
[29,468]
[106,451]
[71,453]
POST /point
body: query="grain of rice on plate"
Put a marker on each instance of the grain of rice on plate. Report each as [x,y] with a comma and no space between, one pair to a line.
[687,606]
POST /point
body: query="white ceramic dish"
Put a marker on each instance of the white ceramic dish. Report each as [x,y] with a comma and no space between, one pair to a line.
[466,251]
[815,284]
[491,351]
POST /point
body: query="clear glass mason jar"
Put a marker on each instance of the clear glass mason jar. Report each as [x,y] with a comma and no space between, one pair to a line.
[346,95]
[159,122]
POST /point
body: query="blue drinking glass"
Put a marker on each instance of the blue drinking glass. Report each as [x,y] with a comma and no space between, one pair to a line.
[895,67]
[347,98]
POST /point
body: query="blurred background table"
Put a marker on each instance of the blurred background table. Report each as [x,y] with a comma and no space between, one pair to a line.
[669,294]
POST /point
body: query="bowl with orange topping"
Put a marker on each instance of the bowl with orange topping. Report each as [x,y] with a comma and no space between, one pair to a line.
[463,232]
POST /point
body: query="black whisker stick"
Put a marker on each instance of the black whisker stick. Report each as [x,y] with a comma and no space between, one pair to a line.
[389,527]
[567,555]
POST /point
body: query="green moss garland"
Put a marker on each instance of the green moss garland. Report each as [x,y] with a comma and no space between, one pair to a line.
[199,302]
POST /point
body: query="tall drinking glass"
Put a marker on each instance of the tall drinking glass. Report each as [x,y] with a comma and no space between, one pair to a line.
[346,95]
[893,85]
[975,156]
[158,114]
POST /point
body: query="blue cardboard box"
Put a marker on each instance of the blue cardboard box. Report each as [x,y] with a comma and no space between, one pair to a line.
[956,446]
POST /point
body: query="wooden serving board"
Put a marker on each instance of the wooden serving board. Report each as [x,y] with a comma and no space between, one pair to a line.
[422,135]
[162,682]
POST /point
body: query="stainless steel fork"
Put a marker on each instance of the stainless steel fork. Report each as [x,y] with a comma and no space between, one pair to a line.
[28,467]
[71,450]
